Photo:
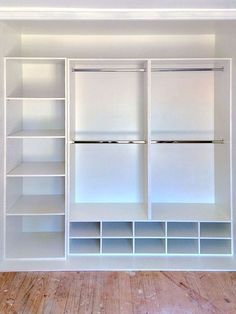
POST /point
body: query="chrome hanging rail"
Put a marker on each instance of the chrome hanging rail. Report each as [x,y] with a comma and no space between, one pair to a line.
[145,142]
[204,69]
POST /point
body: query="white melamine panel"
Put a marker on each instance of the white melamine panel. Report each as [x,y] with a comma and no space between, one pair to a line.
[182,173]
[42,186]
[38,134]
[109,173]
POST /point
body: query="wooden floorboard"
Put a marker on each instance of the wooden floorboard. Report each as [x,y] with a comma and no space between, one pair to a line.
[118,292]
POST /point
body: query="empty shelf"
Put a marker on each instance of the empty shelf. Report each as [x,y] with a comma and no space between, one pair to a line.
[38,205]
[190,212]
[182,229]
[38,134]
[31,169]
[117,229]
[107,211]
[84,246]
[214,246]
[35,245]
[182,246]
[215,230]
[117,246]
[149,229]
[34,98]
[150,246]
[84,229]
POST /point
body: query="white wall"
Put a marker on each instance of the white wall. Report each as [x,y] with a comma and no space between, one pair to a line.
[177,46]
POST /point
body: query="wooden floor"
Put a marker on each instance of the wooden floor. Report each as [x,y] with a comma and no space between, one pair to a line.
[118,292]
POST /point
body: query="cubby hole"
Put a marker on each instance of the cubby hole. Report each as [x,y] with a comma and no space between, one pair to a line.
[149,229]
[35,196]
[84,230]
[107,182]
[182,246]
[84,246]
[215,246]
[150,246]
[215,230]
[119,113]
[117,246]
[35,118]
[29,157]
[182,229]
[35,237]
[117,229]
[35,78]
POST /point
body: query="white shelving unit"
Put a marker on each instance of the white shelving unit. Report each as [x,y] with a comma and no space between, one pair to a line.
[118,147]
[35,135]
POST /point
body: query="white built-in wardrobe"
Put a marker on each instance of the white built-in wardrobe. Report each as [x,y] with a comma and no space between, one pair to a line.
[118,145]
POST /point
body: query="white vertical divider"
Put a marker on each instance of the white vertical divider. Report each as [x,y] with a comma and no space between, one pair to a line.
[67,136]
[166,242]
[5,157]
[101,236]
[199,237]
[133,233]
[66,159]
[148,139]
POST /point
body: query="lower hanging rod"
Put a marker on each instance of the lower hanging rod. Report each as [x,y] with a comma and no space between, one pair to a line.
[152,142]
[204,69]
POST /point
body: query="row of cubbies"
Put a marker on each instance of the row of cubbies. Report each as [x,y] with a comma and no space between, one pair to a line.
[150,238]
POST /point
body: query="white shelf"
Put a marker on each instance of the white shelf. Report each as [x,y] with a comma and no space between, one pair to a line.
[150,246]
[38,134]
[84,246]
[35,98]
[84,230]
[189,212]
[107,211]
[35,245]
[182,229]
[40,169]
[149,229]
[38,205]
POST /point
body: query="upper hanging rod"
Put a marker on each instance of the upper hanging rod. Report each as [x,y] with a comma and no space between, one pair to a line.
[205,69]
[152,142]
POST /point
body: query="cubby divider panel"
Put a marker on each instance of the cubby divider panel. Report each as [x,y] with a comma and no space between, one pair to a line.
[117,246]
[84,229]
[150,229]
[150,246]
[84,246]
